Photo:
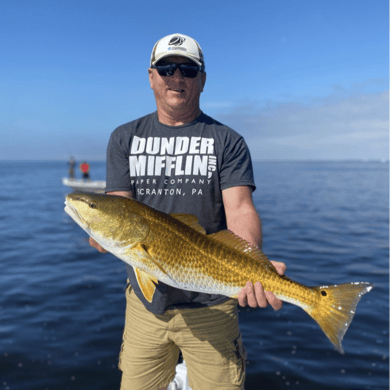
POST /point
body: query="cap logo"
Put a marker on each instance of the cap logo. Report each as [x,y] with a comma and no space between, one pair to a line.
[176,41]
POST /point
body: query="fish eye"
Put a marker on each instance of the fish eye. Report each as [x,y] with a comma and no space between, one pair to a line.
[92,205]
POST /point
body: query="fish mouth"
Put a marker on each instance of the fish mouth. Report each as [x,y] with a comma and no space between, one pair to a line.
[74,214]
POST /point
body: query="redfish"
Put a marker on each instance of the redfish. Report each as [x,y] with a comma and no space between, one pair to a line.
[175,250]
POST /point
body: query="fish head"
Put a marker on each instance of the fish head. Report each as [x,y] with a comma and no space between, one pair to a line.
[113,221]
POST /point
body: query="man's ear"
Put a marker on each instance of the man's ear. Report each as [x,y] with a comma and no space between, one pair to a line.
[150,71]
[203,80]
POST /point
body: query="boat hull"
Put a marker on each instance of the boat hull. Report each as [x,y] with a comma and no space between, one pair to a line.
[95,186]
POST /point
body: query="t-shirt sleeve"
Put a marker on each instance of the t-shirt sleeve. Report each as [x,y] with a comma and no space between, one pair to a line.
[117,166]
[236,169]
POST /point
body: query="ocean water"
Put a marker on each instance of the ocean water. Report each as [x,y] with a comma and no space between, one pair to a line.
[62,303]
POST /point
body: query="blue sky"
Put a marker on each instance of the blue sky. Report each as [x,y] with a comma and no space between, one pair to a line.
[299,79]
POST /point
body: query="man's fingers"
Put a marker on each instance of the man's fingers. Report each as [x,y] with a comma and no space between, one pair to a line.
[273,301]
[250,295]
[266,297]
[260,295]
[280,267]
[94,244]
[255,296]
[242,298]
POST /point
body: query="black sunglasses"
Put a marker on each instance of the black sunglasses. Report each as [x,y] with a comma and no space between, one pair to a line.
[186,70]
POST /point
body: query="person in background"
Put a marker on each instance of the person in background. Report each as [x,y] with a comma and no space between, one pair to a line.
[72,164]
[179,160]
[84,168]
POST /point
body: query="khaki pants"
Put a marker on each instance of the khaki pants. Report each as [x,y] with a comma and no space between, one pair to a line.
[209,339]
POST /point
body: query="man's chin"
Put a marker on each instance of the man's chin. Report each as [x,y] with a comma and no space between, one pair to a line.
[177,104]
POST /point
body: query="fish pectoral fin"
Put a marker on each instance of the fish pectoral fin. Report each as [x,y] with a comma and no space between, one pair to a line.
[190,220]
[146,283]
[233,241]
[148,256]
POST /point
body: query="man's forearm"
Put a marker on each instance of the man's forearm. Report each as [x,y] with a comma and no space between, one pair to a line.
[247,225]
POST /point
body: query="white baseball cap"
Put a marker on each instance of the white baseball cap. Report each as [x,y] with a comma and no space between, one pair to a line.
[177,45]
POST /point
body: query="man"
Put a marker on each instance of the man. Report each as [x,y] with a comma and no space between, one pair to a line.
[179,160]
[84,168]
[72,164]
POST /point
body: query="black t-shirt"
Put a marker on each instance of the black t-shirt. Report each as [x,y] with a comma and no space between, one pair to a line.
[178,169]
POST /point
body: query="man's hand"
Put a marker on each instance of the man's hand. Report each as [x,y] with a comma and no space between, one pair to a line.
[97,246]
[255,296]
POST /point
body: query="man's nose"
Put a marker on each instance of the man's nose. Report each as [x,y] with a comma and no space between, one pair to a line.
[177,74]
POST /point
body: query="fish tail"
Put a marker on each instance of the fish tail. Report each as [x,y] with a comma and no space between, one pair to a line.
[335,309]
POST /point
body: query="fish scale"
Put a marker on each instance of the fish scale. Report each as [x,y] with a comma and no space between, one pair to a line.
[175,250]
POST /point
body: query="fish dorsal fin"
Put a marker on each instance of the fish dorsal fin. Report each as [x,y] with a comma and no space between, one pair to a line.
[145,282]
[190,220]
[233,241]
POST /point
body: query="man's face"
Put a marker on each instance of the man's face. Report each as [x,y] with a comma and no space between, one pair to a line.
[176,93]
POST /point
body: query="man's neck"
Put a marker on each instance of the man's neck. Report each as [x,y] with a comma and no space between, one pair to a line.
[176,118]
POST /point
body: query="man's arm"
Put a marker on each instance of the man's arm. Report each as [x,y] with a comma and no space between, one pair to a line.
[92,242]
[243,220]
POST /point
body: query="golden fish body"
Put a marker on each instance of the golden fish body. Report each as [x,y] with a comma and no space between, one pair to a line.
[175,250]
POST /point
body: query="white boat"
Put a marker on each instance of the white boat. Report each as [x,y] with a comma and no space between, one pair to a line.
[180,382]
[85,185]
